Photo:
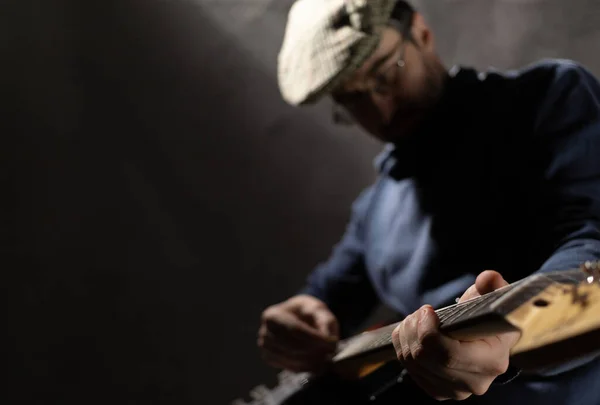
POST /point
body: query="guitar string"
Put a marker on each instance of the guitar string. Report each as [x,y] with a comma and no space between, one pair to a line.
[554,278]
[382,336]
[447,312]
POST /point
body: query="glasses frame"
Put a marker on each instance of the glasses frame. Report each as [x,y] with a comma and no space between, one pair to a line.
[382,87]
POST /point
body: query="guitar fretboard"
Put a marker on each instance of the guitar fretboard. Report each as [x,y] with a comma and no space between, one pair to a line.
[500,302]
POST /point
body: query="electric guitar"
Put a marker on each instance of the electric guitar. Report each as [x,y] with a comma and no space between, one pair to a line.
[557,314]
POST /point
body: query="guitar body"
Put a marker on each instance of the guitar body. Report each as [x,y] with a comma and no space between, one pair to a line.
[387,383]
[555,313]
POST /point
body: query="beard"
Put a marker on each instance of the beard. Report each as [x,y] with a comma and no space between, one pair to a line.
[413,110]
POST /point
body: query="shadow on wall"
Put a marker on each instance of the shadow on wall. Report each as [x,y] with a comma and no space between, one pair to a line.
[164,196]
[161,193]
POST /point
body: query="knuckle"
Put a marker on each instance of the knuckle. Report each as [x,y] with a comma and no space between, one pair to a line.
[402,352]
[396,337]
[450,360]
[305,301]
[296,302]
[405,353]
[317,304]
[460,395]
[418,352]
[400,355]
[268,313]
[480,387]
[324,315]
[500,366]
[314,300]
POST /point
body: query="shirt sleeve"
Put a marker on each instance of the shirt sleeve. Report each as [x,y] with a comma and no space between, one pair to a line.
[342,282]
[569,124]
[569,121]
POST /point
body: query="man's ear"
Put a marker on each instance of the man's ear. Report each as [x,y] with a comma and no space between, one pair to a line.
[421,33]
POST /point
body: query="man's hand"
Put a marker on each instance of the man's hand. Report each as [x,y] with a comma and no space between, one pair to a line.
[452,369]
[299,334]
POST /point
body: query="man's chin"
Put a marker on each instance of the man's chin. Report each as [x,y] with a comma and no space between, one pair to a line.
[402,125]
[396,131]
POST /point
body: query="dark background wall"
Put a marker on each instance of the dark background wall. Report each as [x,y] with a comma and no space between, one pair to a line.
[158,194]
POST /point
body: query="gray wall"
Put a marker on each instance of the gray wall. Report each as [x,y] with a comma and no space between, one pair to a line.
[159,194]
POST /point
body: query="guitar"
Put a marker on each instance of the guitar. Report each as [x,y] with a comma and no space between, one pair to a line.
[556,313]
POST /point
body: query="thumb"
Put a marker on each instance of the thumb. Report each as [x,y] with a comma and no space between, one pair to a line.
[489,281]
[486,282]
[471,292]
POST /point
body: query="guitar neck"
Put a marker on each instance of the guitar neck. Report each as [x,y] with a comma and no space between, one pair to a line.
[556,314]
[476,317]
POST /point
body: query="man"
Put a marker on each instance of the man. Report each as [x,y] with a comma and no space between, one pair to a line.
[482,170]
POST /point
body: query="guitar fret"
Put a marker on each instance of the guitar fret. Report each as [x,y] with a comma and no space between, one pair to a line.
[474,306]
[522,295]
[570,277]
[479,307]
[379,342]
[533,285]
[466,309]
[501,301]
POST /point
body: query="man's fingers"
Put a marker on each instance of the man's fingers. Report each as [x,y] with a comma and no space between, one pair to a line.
[287,352]
[470,293]
[450,372]
[428,334]
[287,326]
[299,334]
[486,282]
[441,353]
[410,335]
[445,367]
[318,316]
[326,323]
[407,332]
[432,348]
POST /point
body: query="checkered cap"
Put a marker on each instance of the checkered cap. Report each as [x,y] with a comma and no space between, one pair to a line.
[324,42]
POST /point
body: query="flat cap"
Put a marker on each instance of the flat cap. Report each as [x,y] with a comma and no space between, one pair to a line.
[324,42]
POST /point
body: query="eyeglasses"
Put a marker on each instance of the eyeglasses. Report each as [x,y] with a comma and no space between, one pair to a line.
[383,86]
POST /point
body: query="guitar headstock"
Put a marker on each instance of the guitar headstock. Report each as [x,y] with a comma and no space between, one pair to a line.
[560,323]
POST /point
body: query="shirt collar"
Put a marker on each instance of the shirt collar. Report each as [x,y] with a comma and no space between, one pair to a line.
[383,157]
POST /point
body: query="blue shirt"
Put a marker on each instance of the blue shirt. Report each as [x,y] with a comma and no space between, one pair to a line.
[504,175]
